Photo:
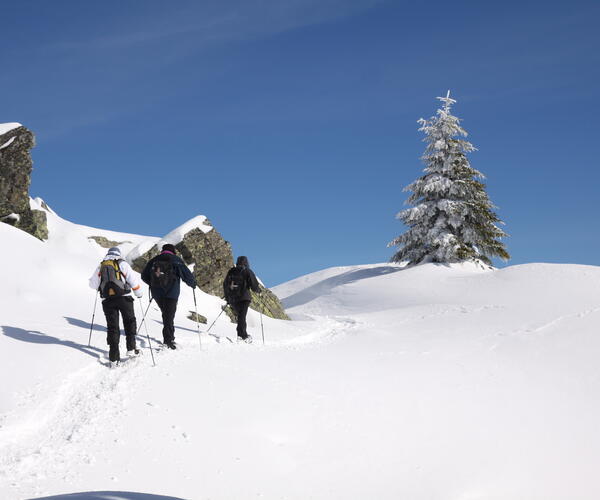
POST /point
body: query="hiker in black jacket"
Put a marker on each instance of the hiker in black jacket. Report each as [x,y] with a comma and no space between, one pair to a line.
[163,273]
[236,287]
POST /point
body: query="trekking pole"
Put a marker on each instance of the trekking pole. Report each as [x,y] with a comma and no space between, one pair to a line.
[222,309]
[262,327]
[197,319]
[147,334]
[93,316]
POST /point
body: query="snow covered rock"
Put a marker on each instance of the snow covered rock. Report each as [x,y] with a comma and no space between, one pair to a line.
[105,242]
[15,177]
[197,243]
[203,248]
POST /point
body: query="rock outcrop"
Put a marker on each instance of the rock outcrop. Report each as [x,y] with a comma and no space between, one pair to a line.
[207,251]
[265,302]
[15,178]
[210,255]
[105,242]
[198,318]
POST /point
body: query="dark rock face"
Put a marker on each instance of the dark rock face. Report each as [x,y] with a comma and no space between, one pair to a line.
[266,303]
[212,257]
[15,179]
[139,263]
[38,226]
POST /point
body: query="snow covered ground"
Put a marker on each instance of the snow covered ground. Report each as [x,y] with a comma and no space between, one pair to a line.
[435,382]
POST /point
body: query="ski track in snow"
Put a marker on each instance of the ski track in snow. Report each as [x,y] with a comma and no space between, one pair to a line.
[472,381]
[68,422]
[554,322]
[61,430]
[332,328]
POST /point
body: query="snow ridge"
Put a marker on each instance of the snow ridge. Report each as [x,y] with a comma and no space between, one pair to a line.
[432,381]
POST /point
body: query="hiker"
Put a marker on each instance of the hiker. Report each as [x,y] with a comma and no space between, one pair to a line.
[115,280]
[236,286]
[163,273]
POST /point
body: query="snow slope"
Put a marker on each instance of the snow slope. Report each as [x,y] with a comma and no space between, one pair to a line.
[431,382]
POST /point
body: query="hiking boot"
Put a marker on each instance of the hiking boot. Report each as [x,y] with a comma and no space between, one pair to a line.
[247,339]
[133,353]
[171,345]
[114,364]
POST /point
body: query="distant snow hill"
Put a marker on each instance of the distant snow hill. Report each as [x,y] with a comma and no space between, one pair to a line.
[431,382]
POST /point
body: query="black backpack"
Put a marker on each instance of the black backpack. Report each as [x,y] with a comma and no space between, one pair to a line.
[235,284]
[163,273]
[112,283]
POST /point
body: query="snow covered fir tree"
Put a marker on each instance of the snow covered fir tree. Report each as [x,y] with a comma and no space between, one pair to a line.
[452,217]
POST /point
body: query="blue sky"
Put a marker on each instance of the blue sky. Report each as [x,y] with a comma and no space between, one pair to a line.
[293,124]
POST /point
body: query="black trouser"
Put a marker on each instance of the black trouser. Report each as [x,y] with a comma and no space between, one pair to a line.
[241,309]
[112,307]
[167,308]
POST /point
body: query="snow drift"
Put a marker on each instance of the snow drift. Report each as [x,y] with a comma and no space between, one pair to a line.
[433,382]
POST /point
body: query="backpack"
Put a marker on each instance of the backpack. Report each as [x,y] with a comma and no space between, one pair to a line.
[163,273]
[112,283]
[235,284]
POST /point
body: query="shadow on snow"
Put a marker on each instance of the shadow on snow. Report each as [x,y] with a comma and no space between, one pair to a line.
[324,286]
[108,495]
[100,328]
[36,337]
[84,324]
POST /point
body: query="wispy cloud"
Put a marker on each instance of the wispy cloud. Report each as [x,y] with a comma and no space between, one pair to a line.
[213,22]
[110,72]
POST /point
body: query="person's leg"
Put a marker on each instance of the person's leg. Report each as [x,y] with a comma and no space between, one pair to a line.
[111,311]
[169,319]
[163,307]
[129,321]
[168,308]
[241,309]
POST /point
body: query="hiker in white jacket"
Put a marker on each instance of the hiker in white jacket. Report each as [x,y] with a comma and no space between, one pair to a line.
[115,280]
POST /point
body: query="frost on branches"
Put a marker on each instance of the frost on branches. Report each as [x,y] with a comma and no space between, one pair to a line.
[452,218]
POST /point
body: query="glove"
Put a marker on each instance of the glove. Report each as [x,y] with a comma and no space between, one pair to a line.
[138,293]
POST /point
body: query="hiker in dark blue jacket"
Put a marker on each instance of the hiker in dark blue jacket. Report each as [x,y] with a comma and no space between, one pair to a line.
[162,274]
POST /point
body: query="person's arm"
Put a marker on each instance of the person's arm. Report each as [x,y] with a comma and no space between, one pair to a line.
[131,278]
[146,272]
[226,286]
[253,282]
[186,275]
[95,279]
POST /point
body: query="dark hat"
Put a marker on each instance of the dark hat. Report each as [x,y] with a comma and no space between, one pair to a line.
[169,248]
[242,261]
